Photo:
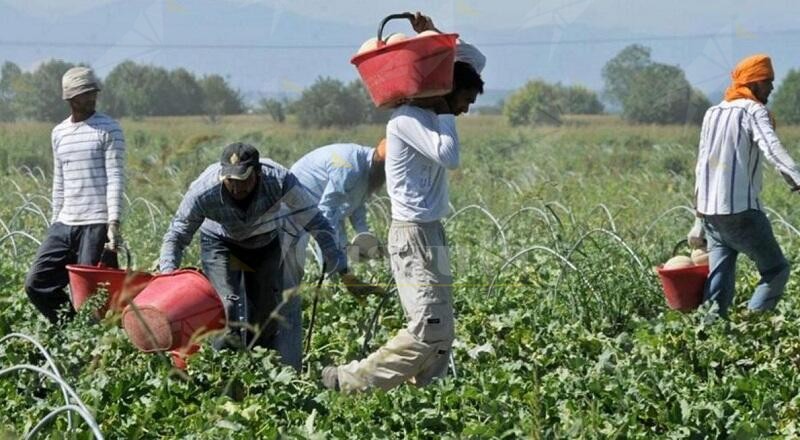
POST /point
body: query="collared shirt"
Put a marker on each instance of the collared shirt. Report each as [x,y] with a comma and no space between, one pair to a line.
[421,146]
[88,171]
[208,206]
[337,177]
[736,138]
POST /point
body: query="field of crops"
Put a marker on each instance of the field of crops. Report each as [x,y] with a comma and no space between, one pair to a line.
[562,330]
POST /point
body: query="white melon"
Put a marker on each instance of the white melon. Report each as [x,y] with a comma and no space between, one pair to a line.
[427,33]
[396,38]
[368,45]
[699,257]
[678,262]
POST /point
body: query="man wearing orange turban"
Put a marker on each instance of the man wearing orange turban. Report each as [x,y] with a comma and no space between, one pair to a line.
[751,79]
[738,135]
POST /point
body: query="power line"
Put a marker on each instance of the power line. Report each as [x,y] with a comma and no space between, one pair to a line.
[585,41]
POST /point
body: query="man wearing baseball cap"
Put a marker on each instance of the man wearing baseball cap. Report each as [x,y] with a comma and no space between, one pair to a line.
[88,179]
[238,204]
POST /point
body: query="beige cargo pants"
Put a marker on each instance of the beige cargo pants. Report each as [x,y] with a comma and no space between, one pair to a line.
[418,353]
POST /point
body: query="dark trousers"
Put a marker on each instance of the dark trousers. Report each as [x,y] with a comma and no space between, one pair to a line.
[48,276]
[249,282]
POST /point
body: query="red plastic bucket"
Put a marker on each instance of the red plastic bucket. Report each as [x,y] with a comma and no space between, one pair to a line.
[172,310]
[122,285]
[683,288]
[180,356]
[415,68]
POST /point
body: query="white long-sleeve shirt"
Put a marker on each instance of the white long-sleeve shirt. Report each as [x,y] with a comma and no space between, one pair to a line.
[421,146]
[736,138]
[88,171]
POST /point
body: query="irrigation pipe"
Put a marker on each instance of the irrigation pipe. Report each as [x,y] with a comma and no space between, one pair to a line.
[782,220]
[541,214]
[563,208]
[616,238]
[605,209]
[374,320]
[13,242]
[664,214]
[22,367]
[22,233]
[49,361]
[24,207]
[546,250]
[488,214]
[66,408]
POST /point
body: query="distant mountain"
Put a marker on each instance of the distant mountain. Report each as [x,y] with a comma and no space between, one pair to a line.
[264,51]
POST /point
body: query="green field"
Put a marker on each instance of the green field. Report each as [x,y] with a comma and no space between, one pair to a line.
[562,329]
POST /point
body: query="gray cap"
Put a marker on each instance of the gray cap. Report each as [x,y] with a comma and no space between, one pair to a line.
[78,80]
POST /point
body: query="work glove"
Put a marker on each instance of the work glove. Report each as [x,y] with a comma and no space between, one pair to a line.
[697,236]
[358,288]
[366,246]
[114,236]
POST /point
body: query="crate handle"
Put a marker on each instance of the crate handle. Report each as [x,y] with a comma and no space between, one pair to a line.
[407,15]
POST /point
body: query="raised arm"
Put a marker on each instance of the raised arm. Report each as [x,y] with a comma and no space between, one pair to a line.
[434,136]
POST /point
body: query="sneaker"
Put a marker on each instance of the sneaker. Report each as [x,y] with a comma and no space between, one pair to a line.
[330,377]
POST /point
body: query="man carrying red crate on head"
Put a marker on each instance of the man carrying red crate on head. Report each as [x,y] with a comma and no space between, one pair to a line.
[237,205]
[88,180]
[422,144]
[737,136]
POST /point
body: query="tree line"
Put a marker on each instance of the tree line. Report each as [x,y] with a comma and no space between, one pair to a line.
[130,90]
[646,91]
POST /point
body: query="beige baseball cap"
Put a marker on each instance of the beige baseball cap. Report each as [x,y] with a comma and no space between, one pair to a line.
[78,80]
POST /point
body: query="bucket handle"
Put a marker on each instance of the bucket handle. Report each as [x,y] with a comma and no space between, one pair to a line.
[407,15]
[678,245]
[122,246]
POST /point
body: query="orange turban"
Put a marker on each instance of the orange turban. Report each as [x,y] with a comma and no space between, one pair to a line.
[380,151]
[751,69]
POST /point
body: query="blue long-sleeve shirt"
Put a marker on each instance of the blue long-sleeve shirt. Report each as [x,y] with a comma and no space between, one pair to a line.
[337,178]
[209,207]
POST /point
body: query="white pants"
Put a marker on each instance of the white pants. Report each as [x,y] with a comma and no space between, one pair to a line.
[420,352]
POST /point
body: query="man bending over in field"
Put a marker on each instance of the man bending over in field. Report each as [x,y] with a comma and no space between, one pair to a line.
[422,144]
[237,204]
[737,136]
[340,178]
[88,179]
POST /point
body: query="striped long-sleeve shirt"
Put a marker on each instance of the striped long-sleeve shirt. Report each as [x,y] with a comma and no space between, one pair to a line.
[88,171]
[209,207]
[736,138]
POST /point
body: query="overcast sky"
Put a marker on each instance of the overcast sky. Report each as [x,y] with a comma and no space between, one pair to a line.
[268,46]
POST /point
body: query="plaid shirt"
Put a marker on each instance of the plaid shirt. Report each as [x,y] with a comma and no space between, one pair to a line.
[208,206]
